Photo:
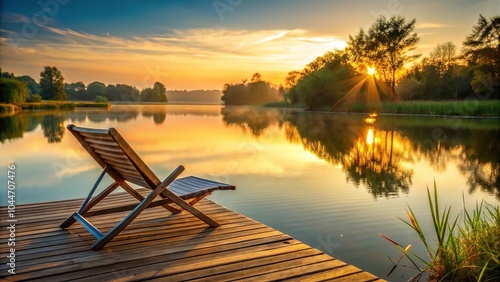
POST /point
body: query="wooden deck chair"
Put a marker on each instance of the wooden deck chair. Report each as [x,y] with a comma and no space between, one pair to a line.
[123,165]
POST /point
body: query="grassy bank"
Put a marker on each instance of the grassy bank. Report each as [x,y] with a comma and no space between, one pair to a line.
[451,108]
[458,250]
[9,108]
[61,105]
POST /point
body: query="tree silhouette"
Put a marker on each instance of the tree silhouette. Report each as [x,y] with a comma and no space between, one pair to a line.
[482,49]
[384,47]
[52,84]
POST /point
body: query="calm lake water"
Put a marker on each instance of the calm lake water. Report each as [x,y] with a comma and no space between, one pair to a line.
[333,181]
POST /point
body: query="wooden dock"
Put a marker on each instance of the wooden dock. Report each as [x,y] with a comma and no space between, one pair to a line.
[162,247]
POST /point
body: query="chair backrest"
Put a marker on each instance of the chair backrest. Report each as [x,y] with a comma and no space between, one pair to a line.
[110,150]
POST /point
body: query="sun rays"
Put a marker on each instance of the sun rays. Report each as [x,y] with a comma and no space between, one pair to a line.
[365,89]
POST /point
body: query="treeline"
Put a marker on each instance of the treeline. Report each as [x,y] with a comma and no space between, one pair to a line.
[255,92]
[371,69]
[194,96]
[51,86]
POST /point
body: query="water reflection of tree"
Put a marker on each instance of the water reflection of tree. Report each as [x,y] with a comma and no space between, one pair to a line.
[480,161]
[53,127]
[473,146]
[13,127]
[383,164]
[159,115]
[340,140]
[249,119]
[376,162]
[367,155]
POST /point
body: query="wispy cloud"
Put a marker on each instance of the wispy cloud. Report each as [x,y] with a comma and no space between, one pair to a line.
[431,25]
[272,37]
[228,55]
[7,17]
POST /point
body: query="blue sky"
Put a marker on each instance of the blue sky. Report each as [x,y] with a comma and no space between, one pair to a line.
[204,43]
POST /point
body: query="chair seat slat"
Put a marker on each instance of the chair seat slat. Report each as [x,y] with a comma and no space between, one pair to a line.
[120,163]
[103,136]
[109,143]
[98,148]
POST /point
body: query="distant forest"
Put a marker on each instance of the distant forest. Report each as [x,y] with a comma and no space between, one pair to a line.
[194,96]
[51,86]
[255,92]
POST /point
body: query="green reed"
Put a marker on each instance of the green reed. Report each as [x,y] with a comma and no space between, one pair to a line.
[469,251]
[486,108]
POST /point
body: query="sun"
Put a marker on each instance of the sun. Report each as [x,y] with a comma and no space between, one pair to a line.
[370,70]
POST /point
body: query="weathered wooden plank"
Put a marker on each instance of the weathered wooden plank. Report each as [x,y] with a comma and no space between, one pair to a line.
[246,268]
[69,250]
[358,276]
[169,267]
[66,262]
[297,270]
[162,246]
[344,273]
[107,257]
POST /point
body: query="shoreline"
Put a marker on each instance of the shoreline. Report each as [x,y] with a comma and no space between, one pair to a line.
[464,109]
[492,110]
[49,105]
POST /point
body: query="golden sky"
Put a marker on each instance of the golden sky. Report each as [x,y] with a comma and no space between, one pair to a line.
[204,44]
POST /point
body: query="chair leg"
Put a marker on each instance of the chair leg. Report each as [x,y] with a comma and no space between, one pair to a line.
[70,220]
[192,203]
[137,210]
[186,206]
[197,199]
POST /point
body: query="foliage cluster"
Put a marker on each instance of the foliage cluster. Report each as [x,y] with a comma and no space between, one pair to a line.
[486,108]
[12,91]
[255,92]
[156,94]
[386,47]
[22,89]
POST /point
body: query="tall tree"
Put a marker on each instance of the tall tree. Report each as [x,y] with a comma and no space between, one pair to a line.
[52,84]
[156,94]
[75,90]
[95,89]
[256,77]
[12,91]
[31,84]
[482,50]
[483,44]
[161,92]
[384,47]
